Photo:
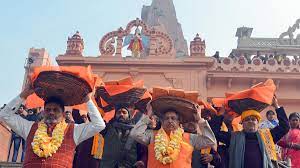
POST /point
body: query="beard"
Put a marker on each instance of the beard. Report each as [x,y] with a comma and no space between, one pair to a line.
[123,120]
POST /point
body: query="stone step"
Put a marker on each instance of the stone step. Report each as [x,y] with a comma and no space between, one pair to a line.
[10,165]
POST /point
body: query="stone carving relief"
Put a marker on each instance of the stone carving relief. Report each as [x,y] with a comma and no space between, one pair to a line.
[249,69]
[228,64]
[287,62]
[257,61]
[159,42]
[290,34]
[279,70]
[264,69]
[295,70]
[242,61]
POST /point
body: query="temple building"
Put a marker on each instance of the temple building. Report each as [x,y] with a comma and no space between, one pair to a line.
[159,42]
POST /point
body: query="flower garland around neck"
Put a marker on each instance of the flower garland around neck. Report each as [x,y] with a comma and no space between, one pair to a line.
[45,146]
[167,149]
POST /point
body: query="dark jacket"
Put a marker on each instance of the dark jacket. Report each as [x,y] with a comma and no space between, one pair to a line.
[251,142]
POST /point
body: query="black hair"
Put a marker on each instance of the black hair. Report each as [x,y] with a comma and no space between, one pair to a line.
[55,100]
[158,124]
[270,112]
[294,115]
[125,106]
[171,110]
[76,116]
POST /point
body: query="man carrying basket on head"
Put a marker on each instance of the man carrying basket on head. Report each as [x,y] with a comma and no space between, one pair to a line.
[52,142]
[252,147]
[170,146]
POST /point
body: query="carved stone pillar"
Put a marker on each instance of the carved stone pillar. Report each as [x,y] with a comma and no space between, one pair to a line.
[119,47]
[119,43]
[152,46]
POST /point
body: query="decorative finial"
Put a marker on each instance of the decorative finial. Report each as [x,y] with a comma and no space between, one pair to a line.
[75,45]
[197,38]
[197,46]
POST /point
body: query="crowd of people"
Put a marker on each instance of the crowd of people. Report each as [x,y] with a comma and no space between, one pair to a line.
[16,140]
[156,136]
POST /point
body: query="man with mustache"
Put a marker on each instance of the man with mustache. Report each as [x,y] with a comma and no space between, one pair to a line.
[120,151]
[50,142]
[252,147]
[181,144]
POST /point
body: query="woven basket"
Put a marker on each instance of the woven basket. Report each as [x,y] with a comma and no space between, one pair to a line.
[69,88]
[142,104]
[186,109]
[129,97]
[106,108]
[241,105]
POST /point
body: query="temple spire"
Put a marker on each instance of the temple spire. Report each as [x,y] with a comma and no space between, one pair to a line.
[162,15]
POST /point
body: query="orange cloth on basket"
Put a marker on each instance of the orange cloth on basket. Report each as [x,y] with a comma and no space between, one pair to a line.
[262,92]
[218,102]
[113,89]
[85,73]
[121,86]
[258,96]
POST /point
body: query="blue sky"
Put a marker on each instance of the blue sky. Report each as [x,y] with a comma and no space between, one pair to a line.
[47,24]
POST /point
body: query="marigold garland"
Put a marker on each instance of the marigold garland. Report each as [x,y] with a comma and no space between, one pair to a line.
[167,150]
[45,146]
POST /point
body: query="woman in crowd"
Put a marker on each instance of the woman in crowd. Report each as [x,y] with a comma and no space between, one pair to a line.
[291,141]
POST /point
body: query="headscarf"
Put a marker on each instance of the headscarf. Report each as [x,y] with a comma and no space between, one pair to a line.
[128,124]
[248,113]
